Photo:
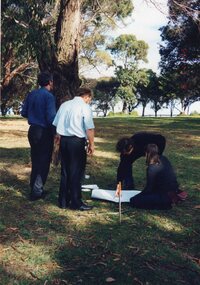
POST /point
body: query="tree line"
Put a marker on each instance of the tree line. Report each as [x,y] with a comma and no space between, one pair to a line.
[67,36]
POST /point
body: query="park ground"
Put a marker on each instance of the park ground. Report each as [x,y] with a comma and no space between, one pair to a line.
[42,244]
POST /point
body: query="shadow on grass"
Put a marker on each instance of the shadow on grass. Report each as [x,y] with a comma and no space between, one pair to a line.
[42,243]
[90,247]
[91,252]
[14,155]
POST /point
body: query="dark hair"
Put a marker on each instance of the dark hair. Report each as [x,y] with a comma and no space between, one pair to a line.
[84,91]
[124,145]
[44,78]
[152,156]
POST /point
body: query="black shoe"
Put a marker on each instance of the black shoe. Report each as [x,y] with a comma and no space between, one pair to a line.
[63,203]
[63,206]
[85,207]
[34,197]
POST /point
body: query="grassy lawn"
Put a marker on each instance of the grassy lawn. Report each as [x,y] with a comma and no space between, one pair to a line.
[42,244]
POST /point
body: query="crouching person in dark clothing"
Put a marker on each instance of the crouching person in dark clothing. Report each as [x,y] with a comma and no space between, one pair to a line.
[130,150]
[161,189]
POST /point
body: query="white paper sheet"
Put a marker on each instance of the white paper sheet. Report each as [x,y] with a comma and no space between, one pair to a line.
[109,195]
[88,188]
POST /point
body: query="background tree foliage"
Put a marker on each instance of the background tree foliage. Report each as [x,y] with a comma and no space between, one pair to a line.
[128,52]
[143,88]
[49,32]
[105,95]
[155,92]
[17,57]
[63,35]
[180,52]
[98,19]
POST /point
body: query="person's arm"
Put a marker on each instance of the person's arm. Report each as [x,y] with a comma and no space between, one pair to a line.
[51,109]
[125,162]
[90,137]
[89,128]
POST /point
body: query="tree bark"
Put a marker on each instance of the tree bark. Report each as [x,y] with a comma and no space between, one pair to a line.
[183,107]
[171,112]
[143,110]
[124,107]
[65,62]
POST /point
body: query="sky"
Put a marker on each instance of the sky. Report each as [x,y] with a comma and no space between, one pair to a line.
[147,19]
[144,24]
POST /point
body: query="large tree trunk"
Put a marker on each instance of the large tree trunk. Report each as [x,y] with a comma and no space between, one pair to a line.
[124,107]
[183,106]
[65,62]
[171,112]
[143,109]
[188,109]
[156,110]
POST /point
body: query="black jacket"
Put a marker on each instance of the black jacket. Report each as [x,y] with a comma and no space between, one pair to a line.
[161,178]
[139,142]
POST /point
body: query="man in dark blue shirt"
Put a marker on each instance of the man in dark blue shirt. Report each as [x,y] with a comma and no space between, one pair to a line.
[39,108]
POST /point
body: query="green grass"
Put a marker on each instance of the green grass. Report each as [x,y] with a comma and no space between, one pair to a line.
[42,244]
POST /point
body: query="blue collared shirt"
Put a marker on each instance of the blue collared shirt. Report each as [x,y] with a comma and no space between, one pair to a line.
[73,118]
[39,107]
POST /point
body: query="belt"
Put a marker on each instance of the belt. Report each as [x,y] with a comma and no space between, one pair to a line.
[71,137]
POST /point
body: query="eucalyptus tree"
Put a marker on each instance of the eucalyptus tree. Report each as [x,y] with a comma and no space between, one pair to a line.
[105,95]
[142,89]
[128,52]
[155,92]
[80,33]
[180,51]
[16,59]
[51,33]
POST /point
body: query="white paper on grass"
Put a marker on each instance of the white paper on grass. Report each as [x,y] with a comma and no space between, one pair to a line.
[88,188]
[109,195]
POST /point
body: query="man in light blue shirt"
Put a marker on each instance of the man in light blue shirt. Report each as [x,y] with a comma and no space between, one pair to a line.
[74,123]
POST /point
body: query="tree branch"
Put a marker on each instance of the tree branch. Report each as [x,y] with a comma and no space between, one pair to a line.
[21,68]
[20,23]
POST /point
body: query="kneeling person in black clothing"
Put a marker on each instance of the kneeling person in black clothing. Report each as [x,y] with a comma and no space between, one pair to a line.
[130,150]
[161,188]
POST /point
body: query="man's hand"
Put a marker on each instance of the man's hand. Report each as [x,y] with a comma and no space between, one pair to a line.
[90,136]
[90,149]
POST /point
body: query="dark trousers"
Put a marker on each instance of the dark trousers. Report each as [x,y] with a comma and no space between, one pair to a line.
[41,142]
[152,201]
[73,161]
